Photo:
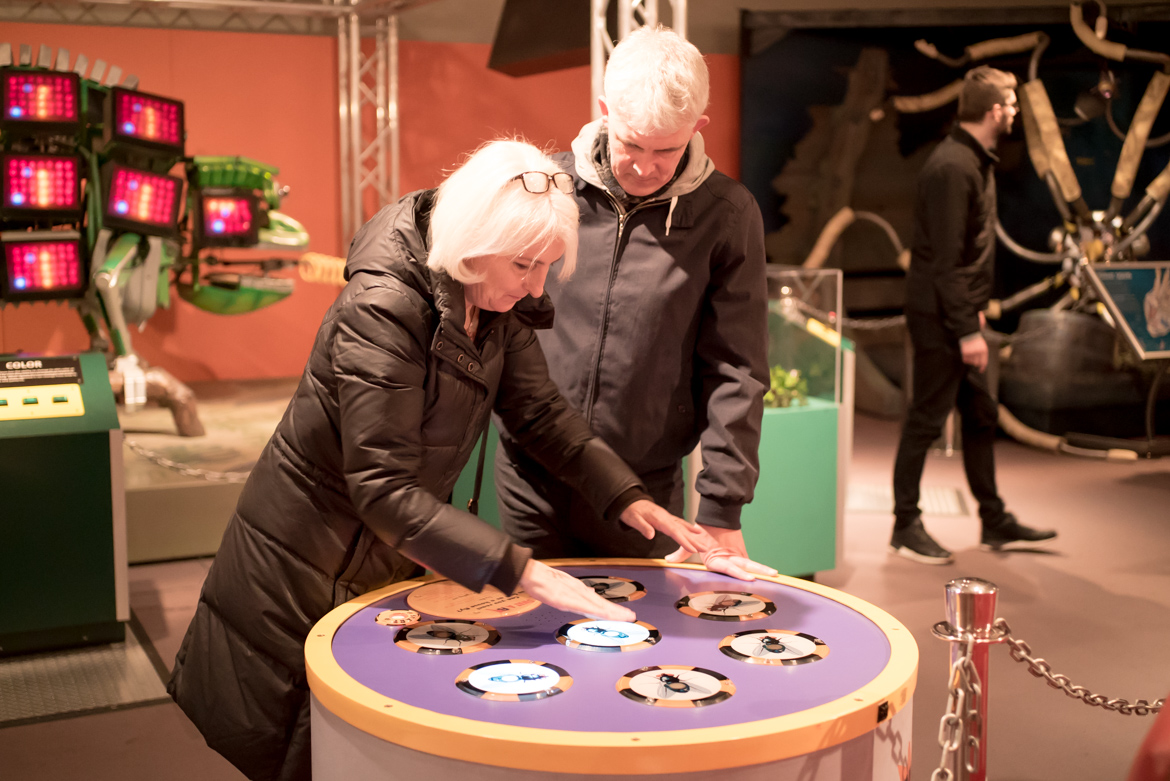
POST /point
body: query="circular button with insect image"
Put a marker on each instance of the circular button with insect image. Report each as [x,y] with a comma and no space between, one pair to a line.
[676,686]
[725,606]
[447,637]
[774,646]
[613,588]
[608,636]
[514,680]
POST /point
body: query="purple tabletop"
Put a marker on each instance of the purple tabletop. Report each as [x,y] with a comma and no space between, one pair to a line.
[858,652]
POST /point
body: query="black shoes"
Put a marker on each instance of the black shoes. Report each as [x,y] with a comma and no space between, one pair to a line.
[1010,533]
[915,544]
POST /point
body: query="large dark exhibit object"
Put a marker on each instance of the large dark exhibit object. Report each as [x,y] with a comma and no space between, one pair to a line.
[826,127]
[63,526]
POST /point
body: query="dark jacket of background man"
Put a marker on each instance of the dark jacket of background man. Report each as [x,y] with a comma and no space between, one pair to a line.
[953,254]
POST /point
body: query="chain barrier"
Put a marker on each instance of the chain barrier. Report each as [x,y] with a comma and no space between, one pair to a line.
[186,469]
[964,697]
[1021,652]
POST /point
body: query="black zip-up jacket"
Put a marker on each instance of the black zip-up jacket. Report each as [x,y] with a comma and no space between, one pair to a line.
[351,492]
[953,255]
[660,337]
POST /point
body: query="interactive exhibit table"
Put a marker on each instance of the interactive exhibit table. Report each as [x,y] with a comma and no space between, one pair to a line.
[718,678]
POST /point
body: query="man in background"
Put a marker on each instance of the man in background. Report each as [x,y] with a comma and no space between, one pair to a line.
[947,288]
[660,337]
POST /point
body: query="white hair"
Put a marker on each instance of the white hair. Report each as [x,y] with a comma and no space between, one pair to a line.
[656,81]
[482,210]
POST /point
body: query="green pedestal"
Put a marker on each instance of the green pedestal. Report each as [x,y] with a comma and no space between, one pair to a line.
[62,527]
[792,522]
[464,488]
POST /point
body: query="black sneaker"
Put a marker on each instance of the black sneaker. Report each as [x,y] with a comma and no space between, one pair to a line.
[1010,533]
[915,544]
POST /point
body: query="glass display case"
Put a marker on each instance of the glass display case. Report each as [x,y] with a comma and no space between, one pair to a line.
[794,521]
[804,334]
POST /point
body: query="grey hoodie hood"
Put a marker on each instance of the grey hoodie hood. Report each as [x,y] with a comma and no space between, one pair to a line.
[699,166]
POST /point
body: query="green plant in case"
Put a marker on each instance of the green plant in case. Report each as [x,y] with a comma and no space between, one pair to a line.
[788,388]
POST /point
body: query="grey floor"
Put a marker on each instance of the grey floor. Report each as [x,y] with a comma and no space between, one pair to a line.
[1096,606]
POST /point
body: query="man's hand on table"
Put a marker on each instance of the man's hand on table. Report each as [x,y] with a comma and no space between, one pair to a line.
[721,550]
[727,553]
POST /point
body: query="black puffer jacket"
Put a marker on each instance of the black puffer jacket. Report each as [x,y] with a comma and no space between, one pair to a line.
[350,493]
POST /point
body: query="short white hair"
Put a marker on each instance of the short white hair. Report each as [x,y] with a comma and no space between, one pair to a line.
[656,81]
[482,210]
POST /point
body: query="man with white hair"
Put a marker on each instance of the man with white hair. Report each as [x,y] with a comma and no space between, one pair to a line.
[660,340]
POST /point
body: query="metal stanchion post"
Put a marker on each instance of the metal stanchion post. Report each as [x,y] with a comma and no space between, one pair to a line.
[970,605]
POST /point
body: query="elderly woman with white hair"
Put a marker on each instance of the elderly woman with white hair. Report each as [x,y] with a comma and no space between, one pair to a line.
[432,332]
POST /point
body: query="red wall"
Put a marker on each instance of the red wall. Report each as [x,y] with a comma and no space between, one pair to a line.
[274,98]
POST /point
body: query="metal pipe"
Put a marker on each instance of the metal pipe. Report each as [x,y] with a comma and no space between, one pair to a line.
[970,608]
[1141,228]
[343,121]
[357,215]
[1037,53]
[392,112]
[1135,142]
[381,121]
[290,7]
[649,12]
[1024,252]
[597,40]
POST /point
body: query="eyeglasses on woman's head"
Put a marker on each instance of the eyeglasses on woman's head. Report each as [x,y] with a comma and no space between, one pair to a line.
[538,181]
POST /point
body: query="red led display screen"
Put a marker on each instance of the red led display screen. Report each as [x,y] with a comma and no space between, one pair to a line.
[227,218]
[142,201]
[149,119]
[36,186]
[40,97]
[51,268]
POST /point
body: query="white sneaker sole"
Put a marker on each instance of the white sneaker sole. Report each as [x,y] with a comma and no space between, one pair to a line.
[1017,544]
[906,553]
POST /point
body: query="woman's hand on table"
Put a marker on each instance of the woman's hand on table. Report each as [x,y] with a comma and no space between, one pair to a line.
[724,551]
[564,592]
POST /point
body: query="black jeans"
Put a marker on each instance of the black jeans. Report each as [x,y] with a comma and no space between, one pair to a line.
[943,381]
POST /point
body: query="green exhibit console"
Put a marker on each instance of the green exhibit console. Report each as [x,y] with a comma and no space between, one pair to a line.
[63,572]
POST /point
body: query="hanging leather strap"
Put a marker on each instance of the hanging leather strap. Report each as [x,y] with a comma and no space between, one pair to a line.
[473,502]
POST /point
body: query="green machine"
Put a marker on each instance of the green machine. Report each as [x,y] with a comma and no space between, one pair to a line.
[63,572]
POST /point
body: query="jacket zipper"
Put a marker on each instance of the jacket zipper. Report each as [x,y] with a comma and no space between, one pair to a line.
[595,382]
